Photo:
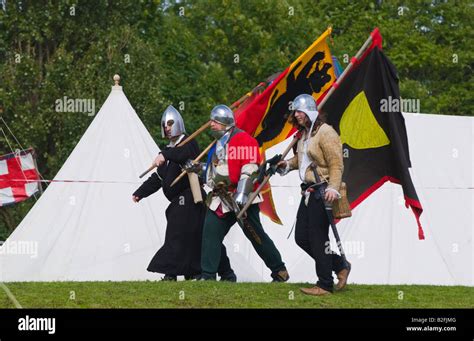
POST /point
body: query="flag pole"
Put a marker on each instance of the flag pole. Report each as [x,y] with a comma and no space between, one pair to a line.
[196,133]
[348,68]
[40,185]
[254,194]
[296,137]
[182,143]
[199,157]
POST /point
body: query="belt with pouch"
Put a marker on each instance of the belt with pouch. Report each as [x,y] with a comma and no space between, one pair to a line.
[308,188]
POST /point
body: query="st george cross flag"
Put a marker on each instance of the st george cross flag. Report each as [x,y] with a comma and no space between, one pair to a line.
[18,177]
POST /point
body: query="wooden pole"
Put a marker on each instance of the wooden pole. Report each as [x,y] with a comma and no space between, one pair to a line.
[253,195]
[345,72]
[182,143]
[199,157]
[196,133]
[153,166]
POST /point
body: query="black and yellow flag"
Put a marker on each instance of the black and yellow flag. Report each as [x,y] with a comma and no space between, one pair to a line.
[311,73]
[374,139]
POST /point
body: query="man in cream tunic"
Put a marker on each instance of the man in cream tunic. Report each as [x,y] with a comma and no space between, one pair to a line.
[320,146]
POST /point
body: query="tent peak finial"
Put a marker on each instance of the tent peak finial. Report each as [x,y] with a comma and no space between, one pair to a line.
[116,79]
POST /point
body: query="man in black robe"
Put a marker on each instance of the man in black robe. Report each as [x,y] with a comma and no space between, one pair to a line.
[181,252]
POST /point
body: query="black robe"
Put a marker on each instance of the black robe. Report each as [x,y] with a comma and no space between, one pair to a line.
[181,251]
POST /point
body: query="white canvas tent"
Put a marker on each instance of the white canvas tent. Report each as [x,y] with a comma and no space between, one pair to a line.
[93,231]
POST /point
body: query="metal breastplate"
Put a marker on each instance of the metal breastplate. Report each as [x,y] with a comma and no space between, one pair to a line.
[218,172]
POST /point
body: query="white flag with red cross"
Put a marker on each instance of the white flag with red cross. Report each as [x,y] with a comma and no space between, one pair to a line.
[18,177]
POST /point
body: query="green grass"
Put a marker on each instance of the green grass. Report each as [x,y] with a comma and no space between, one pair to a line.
[229,295]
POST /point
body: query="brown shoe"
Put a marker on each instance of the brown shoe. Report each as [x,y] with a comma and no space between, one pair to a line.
[342,277]
[315,291]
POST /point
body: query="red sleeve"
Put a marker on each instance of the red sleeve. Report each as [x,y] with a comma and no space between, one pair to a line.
[243,149]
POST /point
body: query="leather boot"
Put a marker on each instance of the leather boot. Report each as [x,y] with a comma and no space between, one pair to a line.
[342,277]
[315,291]
[280,276]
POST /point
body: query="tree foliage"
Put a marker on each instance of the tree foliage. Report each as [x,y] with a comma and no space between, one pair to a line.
[196,54]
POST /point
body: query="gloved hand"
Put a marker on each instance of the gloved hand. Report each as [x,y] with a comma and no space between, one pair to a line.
[192,167]
[241,199]
[282,167]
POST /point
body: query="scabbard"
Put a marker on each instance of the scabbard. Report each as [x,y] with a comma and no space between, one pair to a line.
[328,208]
[243,222]
[195,187]
[321,188]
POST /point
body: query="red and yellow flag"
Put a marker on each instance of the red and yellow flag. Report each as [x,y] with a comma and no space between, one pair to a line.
[265,115]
